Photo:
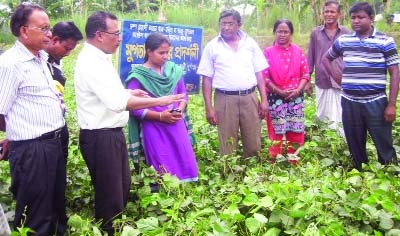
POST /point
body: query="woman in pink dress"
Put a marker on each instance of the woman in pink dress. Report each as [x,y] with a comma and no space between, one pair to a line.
[162,130]
[285,80]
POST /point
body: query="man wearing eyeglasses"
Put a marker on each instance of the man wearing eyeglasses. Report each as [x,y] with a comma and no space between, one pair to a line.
[33,118]
[102,104]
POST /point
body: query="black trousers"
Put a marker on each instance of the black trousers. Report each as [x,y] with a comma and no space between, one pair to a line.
[106,157]
[63,219]
[38,176]
[64,137]
[360,118]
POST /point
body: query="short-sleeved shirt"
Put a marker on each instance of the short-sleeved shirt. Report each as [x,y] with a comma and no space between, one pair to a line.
[100,96]
[365,63]
[28,97]
[319,44]
[230,69]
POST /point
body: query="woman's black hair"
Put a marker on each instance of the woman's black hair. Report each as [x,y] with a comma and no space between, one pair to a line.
[154,41]
[286,21]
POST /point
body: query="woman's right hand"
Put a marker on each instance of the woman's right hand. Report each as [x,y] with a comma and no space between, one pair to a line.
[292,94]
[170,117]
[281,92]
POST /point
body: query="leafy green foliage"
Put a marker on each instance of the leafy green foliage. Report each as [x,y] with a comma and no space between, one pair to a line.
[236,196]
[322,195]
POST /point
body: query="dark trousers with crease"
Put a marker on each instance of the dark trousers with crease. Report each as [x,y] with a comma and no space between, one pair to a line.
[38,176]
[63,219]
[358,118]
[106,157]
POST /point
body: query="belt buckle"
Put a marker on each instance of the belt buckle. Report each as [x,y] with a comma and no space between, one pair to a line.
[242,92]
[57,133]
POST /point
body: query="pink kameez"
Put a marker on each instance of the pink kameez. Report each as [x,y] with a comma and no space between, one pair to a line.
[288,66]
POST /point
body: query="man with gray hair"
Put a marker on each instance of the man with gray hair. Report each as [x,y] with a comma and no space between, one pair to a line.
[232,63]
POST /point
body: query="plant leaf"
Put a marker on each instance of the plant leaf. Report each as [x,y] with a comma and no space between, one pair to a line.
[250,199]
[129,231]
[260,218]
[147,224]
[252,225]
[273,232]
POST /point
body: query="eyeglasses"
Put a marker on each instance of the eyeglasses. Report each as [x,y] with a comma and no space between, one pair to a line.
[117,34]
[44,29]
[228,24]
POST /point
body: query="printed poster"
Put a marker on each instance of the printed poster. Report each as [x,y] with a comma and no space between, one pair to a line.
[185,48]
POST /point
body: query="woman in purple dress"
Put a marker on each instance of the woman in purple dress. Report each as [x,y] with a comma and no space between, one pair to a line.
[162,131]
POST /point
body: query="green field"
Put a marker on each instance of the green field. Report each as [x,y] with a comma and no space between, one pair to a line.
[236,196]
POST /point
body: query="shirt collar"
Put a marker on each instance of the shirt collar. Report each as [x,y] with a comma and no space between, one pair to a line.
[242,35]
[372,35]
[96,51]
[53,60]
[26,55]
[340,27]
[283,48]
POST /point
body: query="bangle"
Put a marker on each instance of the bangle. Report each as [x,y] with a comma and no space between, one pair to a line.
[160,115]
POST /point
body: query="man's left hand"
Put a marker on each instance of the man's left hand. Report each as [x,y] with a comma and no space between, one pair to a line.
[390,113]
[262,109]
[139,93]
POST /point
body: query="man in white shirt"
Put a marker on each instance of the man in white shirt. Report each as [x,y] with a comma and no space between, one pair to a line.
[232,63]
[102,104]
[32,116]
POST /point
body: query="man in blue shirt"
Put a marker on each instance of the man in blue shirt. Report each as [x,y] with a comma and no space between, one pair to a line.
[367,55]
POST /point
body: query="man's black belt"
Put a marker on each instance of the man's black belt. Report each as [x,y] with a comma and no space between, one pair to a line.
[238,92]
[104,129]
[46,136]
[50,135]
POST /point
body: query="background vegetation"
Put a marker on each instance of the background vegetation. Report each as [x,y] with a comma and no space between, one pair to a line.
[259,15]
[234,196]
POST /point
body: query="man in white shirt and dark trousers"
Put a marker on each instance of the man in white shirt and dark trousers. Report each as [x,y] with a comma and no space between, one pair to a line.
[32,116]
[102,104]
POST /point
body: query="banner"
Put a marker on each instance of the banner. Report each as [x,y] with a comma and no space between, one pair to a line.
[185,48]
